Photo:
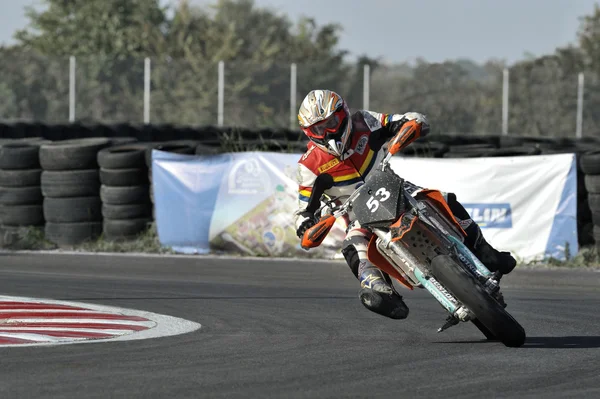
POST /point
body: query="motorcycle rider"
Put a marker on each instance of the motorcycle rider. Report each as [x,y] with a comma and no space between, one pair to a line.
[346,146]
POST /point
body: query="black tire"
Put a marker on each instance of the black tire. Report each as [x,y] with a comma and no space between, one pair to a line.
[590,162]
[586,236]
[592,183]
[72,154]
[72,210]
[510,141]
[70,234]
[513,151]
[125,195]
[21,155]
[70,183]
[469,291]
[203,149]
[124,229]
[20,178]
[114,141]
[484,330]
[594,202]
[466,154]
[123,177]
[596,236]
[425,150]
[21,215]
[127,211]
[178,147]
[471,148]
[20,195]
[129,156]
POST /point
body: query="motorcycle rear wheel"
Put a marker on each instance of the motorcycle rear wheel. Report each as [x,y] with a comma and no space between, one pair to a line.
[465,287]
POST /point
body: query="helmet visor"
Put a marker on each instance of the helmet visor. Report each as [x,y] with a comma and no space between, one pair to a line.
[328,129]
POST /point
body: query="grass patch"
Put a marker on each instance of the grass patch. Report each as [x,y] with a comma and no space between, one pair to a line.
[587,257]
[146,242]
[24,238]
[33,238]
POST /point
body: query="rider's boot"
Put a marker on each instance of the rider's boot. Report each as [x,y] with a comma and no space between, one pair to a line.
[378,294]
[488,255]
[493,259]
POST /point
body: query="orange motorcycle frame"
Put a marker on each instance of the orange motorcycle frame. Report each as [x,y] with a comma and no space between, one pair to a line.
[436,199]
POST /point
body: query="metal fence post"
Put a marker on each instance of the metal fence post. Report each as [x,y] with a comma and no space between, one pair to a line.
[505,101]
[147,75]
[366,85]
[293,94]
[221,93]
[579,128]
[72,89]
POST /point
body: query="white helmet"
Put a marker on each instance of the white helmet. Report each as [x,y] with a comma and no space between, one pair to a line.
[325,118]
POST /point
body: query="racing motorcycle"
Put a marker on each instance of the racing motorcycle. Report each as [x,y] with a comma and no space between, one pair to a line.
[418,242]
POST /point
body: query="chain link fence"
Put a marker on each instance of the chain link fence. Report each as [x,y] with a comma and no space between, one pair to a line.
[523,101]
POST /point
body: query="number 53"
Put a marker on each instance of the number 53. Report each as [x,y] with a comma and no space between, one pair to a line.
[373,204]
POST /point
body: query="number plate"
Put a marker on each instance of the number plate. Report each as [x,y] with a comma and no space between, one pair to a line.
[379,201]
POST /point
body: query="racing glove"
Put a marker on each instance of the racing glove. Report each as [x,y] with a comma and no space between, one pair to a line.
[308,221]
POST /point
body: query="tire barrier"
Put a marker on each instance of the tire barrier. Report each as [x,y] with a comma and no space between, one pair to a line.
[20,191]
[589,212]
[71,189]
[124,191]
[113,162]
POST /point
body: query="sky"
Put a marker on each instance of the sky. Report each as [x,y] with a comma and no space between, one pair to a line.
[403,30]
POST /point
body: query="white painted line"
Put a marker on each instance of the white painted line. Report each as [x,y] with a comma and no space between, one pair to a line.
[160,325]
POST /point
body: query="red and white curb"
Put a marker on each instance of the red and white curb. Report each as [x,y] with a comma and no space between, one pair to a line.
[31,322]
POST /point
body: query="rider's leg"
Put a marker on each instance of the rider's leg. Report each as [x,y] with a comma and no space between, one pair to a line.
[377,292]
[492,258]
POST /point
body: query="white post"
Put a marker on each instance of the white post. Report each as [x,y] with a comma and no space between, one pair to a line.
[221,93]
[579,129]
[293,94]
[147,76]
[71,89]
[505,102]
[366,84]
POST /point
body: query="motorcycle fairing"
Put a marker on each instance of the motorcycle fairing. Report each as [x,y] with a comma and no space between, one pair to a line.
[436,199]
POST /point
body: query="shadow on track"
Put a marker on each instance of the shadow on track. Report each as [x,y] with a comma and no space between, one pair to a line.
[569,342]
[580,342]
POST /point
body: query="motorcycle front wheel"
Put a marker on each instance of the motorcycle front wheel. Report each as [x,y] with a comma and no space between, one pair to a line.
[465,287]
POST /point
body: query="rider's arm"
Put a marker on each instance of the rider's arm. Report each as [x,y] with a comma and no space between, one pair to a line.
[387,125]
[306,180]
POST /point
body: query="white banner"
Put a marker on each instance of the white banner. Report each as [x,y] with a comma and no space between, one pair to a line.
[244,202]
[526,205]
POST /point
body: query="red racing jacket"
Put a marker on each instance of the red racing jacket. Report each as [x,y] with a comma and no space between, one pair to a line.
[370,131]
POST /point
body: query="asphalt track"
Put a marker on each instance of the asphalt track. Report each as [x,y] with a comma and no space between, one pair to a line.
[296,330]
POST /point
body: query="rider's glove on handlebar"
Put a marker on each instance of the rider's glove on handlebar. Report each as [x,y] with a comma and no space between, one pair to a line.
[308,222]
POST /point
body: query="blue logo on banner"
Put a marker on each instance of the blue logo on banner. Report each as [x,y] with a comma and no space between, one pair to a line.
[491,216]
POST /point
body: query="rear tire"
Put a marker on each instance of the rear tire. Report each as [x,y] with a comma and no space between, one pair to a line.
[469,291]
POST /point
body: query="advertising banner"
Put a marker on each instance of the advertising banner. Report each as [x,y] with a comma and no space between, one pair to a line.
[245,202]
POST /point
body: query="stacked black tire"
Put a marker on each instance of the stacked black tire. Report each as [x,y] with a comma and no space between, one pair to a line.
[590,166]
[20,194]
[71,189]
[125,191]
